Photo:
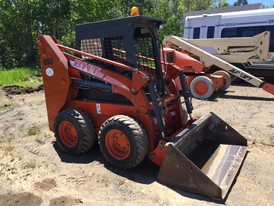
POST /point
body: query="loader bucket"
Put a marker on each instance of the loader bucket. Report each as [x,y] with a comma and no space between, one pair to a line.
[204,158]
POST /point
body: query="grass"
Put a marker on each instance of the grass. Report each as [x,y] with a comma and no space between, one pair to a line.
[79,200]
[5,107]
[25,77]
[31,164]
[6,144]
[33,130]
[8,148]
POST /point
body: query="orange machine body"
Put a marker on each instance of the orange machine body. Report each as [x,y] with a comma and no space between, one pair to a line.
[59,68]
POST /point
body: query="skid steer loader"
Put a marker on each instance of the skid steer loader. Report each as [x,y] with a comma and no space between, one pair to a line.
[112,89]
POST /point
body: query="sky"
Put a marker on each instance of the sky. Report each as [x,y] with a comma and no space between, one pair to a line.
[265,2]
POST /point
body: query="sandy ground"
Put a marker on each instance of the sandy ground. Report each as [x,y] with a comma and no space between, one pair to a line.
[33,171]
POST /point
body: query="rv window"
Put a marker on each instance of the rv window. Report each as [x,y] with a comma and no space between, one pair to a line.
[229,32]
[248,32]
[210,31]
[251,31]
[196,33]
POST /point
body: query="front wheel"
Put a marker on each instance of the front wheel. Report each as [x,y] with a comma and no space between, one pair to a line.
[123,141]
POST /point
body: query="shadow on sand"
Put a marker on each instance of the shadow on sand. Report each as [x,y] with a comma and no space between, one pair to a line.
[145,173]
[230,95]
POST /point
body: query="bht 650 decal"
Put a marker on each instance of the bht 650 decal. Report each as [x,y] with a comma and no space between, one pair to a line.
[48,61]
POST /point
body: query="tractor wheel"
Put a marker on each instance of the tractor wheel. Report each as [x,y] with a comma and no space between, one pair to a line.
[201,87]
[74,131]
[227,78]
[123,141]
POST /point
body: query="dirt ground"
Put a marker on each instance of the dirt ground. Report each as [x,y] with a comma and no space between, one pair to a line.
[33,171]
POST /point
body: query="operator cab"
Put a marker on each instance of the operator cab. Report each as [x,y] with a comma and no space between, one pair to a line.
[131,41]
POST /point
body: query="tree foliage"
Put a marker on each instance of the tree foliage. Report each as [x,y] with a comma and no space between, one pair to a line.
[21,21]
[240,3]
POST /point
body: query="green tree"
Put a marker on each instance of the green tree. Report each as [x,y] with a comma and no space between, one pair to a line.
[21,21]
[222,4]
[17,42]
[168,10]
[51,17]
[84,11]
[193,5]
[240,2]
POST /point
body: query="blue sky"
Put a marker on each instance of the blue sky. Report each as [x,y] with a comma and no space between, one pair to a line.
[265,2]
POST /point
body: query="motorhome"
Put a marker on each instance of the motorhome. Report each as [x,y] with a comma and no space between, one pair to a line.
[231,24]
[236,24]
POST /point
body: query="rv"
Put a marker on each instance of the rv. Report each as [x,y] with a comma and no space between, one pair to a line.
[235,24]
[231,24]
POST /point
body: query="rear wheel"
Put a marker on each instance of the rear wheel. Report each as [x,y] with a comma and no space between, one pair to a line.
[235,80]
[201,87]
[227,78]
[74,131]
[123,141]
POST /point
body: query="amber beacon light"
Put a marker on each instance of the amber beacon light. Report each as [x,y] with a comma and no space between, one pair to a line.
[134,11]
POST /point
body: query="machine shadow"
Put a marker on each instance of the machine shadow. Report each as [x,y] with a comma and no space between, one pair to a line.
[145,173]
[198,197]
[229,95]
[92,155]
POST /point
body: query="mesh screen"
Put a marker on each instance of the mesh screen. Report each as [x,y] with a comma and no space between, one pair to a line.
[114,49]
[145,54]
[92,46]
[109,48]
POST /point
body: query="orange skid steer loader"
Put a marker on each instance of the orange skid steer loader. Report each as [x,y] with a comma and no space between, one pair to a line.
[104,91]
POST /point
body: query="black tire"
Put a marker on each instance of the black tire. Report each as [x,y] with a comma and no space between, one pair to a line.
[74,131]
[204,93]
[184,116]
[235,80]
[227,78]
[123,141]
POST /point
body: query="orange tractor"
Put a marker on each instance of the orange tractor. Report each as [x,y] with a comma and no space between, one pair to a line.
[201,85]
[114,89]
[203,77]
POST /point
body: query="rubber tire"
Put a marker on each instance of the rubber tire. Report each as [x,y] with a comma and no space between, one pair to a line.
[136,135]
[84,128]
[235,80]
[209,84]
[184,116]
[227,78]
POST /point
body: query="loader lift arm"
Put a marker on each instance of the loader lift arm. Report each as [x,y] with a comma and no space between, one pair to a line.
[209,60]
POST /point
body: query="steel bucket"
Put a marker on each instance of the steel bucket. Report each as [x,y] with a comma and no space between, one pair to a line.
[204,158]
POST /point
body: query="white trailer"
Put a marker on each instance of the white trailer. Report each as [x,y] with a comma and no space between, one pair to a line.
[231,24]
[235,24]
